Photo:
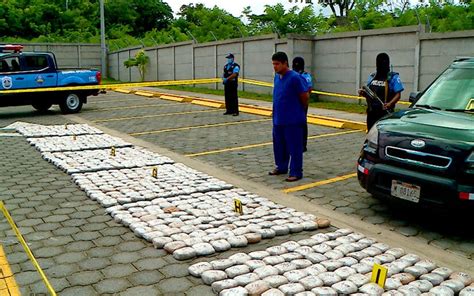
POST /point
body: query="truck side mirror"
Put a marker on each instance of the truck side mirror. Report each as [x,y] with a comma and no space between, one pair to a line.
[414,96]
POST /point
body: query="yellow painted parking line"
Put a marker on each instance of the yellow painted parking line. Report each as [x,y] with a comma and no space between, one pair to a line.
[197,126]
[155,115]
[133,107]
[266,144]
[208,104]
[176,98]
[124,90]
[110,101]
[8,285]
[319,183]
[144,94]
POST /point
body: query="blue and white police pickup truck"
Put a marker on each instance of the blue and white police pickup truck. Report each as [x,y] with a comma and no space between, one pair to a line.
[34,70]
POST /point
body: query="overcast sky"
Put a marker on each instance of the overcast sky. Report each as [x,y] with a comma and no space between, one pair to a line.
[234,7]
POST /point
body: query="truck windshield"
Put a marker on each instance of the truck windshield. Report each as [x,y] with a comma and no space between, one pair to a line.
[453,90]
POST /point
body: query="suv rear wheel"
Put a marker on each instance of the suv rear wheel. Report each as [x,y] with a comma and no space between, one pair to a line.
[72,103]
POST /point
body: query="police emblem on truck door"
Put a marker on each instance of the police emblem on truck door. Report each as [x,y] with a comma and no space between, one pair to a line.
[7,82]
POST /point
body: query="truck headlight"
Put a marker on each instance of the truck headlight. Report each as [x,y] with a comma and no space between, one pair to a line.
[372,140]
[470,161]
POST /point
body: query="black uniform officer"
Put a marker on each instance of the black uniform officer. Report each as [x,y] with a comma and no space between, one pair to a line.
[230,81]
[386,85]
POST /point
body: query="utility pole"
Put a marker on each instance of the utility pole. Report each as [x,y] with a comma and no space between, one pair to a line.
[103,47]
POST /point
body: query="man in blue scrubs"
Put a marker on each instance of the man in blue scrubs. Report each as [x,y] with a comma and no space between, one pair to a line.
[290,100]
[298,66]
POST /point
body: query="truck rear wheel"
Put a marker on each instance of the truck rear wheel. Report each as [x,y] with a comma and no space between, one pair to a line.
[72,103]
[42,106]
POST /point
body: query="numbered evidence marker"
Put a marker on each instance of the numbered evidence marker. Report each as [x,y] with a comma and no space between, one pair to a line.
[74,137]
[65,126]
[154,172]
[238,207]
[112,151]
[379,275]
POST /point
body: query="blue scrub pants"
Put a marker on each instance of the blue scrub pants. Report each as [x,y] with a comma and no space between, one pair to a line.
[288,148]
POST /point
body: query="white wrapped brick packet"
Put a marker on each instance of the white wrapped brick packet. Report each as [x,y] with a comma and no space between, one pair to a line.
[371,289]
[468,291]
[434,278]
[310,282]
[345,287]
[198,268]
[237,291]
[273,292]
[291,288]
[237,270]
[218,286]
[422,285]
[257,287]
[211,276]
[326,291]
[276,280]
[442,290]
[455,285]
[245,279]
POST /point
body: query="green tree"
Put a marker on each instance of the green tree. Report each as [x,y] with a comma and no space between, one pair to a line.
[208,24]
[140,61]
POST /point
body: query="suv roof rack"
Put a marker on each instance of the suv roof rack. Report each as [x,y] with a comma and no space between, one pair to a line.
[11,47]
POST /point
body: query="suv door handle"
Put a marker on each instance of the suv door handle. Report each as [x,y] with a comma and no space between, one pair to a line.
[49,76]
[20,78]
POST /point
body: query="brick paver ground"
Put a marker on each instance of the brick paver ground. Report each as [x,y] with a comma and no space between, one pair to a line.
[84,252]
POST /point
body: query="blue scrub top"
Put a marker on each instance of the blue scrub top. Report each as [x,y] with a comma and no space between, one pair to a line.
[287,107]
[307,79]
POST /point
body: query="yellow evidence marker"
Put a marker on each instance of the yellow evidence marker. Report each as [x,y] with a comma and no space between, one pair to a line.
[112,151]
[238,207]
[154,172]
[379,275]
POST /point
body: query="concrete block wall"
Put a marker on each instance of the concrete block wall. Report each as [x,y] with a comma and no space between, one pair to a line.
[438,50]
[70,55]
[339,62]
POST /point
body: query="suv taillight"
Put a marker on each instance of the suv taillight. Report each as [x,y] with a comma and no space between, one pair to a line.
[98,76]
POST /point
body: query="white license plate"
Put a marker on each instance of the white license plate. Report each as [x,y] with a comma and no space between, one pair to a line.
[405,191]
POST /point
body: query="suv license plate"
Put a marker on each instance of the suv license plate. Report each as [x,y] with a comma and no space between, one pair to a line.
[405,191]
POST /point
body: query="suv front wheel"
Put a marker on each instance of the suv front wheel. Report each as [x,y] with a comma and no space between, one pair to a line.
[72,103]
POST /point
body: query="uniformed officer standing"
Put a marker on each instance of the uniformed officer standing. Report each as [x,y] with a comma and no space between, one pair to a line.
[230,81]
[298,66]
[386,85]
[290,100]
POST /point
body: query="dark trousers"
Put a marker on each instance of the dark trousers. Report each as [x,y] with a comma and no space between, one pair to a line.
[231,98]
[288,148]
[305,134]
[373,116]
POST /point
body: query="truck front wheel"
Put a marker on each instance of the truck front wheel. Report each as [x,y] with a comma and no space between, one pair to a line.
[72,103]
[42,106]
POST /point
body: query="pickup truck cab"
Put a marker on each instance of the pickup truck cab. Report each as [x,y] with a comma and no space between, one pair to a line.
[424,156]
[35,70]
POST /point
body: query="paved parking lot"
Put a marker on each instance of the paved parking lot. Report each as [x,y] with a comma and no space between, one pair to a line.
[85,252]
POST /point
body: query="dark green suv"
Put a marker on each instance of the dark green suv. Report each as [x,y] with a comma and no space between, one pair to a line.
[425,155]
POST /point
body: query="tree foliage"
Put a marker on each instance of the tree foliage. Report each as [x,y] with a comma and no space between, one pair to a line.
[140,61]
[151,22]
